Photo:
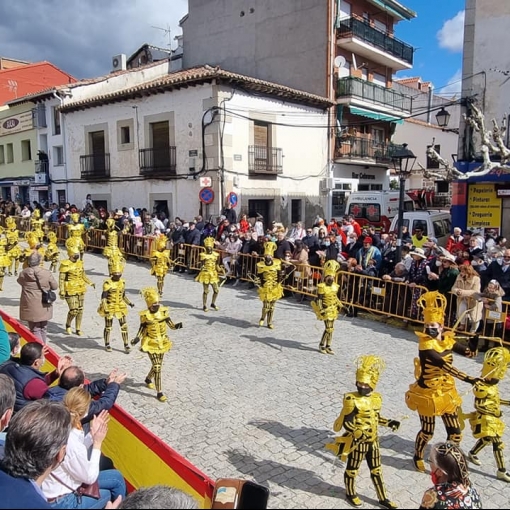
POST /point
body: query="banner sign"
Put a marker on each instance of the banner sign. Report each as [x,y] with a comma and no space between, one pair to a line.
[484,206]
[16,123]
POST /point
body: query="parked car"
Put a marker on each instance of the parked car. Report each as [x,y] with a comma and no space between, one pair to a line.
[433,223]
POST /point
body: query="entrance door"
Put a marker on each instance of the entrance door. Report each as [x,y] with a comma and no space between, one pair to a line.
[262,207]
[338,203]
[161,206]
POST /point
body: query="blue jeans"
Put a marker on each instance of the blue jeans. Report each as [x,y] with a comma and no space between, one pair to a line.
[111,485]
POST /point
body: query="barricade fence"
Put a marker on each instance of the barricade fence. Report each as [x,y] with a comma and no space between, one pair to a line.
[359,292]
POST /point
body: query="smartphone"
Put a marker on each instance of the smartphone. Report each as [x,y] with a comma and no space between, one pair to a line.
[253,496]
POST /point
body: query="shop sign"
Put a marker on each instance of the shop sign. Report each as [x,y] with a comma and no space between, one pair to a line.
[483,207]
[16,123]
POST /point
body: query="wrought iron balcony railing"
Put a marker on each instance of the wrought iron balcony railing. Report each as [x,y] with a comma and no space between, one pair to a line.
[352,147]
[95,166]
[158,161]
[265,160]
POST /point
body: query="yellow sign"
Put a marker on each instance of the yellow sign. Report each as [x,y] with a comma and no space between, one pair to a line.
[16,123]
[484,207]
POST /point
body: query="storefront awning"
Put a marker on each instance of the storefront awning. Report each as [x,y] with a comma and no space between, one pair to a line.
[375,115]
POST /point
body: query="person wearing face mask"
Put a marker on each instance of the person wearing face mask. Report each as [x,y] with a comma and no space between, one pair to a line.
[114,305]
[452,487]
[72,285]
[434,392]
[360,418]
[209,273]
[154,338]
[499,270]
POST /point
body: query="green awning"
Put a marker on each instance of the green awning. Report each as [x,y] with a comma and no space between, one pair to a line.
[375,115]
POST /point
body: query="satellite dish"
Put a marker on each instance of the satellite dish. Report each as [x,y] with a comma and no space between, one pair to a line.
[340,61]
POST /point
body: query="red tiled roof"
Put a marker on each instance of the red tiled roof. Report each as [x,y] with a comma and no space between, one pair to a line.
[195,76]
[415,79]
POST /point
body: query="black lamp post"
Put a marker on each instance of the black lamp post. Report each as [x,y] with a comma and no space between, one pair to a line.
[403,161]
[443,118]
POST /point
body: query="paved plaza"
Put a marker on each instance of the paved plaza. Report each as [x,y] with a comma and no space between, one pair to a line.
[255,403]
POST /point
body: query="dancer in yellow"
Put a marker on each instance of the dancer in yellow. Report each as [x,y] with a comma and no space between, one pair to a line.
[486,423]
[161,262]
[112,251]
[13,248]
[153,334]
[5,260]
[209,273]
[114,304]
[360,417]
[270,276]
[327,305]
[34,243]
[36,225]
[52,254]
[75,230]
[434,392]
[72,285]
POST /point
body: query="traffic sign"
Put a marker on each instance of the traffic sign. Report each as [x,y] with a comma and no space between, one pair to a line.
[205,182]
[206,195]
[232,199]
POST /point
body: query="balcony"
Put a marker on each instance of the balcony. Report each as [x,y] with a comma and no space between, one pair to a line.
[359,37]
[41,177]
[365,149]
[366,93]
[95,166]
[158,162]
[264,160]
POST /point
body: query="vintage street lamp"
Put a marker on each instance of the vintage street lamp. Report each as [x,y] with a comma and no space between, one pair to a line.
[443,118]
[403,161]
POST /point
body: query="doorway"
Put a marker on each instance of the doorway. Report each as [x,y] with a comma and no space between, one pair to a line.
[262,207]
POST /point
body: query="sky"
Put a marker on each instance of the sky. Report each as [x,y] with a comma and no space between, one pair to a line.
[81,37]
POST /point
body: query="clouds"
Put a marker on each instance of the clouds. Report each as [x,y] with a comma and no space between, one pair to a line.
[454,86]
[80,37]
[451,35]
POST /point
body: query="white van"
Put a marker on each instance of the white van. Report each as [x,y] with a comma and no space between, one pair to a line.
[376,208]
[433,223]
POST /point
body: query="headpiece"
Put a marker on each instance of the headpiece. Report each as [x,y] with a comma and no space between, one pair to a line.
[75,217]
[110,223]
[32,239]
[495,363]
[116,263]
[151,295]
[440,451]
[269,248]
[52,237]
[331,267]
[36,214]
[434,307]
[10,222]
[161,243]
[368,369]
[72,246]
[209,242]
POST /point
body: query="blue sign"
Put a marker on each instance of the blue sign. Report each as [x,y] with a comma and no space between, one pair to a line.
[206,195]
[232,199]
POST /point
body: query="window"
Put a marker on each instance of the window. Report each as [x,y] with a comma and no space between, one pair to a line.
[2,155]
[125,135]
[379,79]
[56,121]
[9,158]
[420,224]
[26,150]
[58,156]
[443,186]
[438,228]
[381,26]
[430,162]
[376,187]
[370,212]
[295,210]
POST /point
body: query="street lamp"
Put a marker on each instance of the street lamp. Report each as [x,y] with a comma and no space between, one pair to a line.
[443,118]
[403,161]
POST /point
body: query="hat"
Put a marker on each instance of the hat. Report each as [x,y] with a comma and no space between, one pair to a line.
[433,305]
[118,212]
[368,240]
[419,252]
[449,257]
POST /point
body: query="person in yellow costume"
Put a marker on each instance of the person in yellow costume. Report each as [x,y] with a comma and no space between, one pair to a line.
[75,230]
[112,251]
[161,262]
[434,392]
[486,423]
[5,260]
[327,305]
[72,284]
[209,273]
[360,418]
[13,248]
[114,303]
[153,334]
[34,243]
[270,275]
[52,254]
[36,225]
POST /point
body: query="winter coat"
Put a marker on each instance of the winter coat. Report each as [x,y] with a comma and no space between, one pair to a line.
[30,306]
[469,291]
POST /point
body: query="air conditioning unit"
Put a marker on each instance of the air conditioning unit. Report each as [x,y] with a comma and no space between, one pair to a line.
[327,184]
[119,62]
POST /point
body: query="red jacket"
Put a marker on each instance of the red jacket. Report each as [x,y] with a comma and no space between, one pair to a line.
[454,243]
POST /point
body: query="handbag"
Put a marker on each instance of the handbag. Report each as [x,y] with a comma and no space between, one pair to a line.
[48,296]
[89,490]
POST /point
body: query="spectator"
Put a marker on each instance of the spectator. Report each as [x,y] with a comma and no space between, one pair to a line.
[406,236]
[310,239]
[7,399]
[491,302]
[244,226]
[159,496]
[78,467]
[418,238]
[367,252]
[406,257]
[466,288]
[282,246]
[15,346]
[499,270]
[31,308]
[34,446]
[5,348]
[448,273]
[259,225]
[230,214]
[455,241]
[29,381]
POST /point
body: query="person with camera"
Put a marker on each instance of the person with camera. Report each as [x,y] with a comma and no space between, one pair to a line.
[35,281]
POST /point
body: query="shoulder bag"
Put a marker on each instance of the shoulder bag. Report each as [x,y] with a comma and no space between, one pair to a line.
[88,490]
[48,296]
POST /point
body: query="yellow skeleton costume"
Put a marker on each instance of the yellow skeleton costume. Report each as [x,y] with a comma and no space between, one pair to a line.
[34,243]
[161,262]
[13,248]
[486,423]
[112,251]
[327,305]
[114,304]
[72,285]
[209,273]
[270,275]
[434,392]
[52,254]
[5,260]
[75,230]
[37,224]
[360,418]
[153,334]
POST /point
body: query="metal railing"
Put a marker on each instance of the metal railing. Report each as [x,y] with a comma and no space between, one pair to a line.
[42,167]
[158,161]
[265,160]
[353,147]
[354,27]
[373,93]
[94,166]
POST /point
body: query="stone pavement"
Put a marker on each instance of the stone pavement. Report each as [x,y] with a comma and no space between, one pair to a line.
[255,403]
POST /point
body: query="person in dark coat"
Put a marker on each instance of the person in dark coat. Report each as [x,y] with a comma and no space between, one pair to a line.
[499,270]
[230,213]
[282,246]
